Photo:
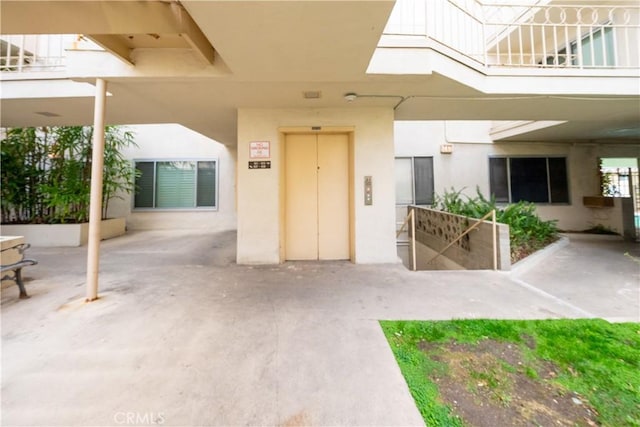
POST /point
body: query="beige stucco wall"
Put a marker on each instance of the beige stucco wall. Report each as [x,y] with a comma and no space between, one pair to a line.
[462,168]
[584,180]
[468,166]
[260,192]
[61,235]
[173,141]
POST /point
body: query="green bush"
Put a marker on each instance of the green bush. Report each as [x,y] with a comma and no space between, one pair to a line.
[46,173]
[527,231]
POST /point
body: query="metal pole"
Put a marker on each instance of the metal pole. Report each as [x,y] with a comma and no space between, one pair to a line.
[95,206]
[495,238]
[413,239]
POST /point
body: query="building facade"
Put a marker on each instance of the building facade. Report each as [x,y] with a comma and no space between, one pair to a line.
[304,97]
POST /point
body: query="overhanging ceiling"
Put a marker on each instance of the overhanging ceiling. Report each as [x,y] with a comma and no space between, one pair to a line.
[268,53]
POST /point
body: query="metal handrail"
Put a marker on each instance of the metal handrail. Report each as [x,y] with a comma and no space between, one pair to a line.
[468,230]
[410,219]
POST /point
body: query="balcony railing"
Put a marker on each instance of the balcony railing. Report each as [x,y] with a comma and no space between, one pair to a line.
[523,34]
[29,52]
[39,52]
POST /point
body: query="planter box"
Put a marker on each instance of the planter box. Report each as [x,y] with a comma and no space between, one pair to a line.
[597,202]
[64,234]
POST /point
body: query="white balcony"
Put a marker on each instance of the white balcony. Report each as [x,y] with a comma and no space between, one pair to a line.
[39,53]
[545,35]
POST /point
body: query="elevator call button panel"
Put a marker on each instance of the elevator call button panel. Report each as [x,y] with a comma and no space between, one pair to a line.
[368,191]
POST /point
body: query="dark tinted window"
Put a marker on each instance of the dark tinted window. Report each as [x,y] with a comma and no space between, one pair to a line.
[530,179]
[499,179]
[558,180]
[423,171]
[144,185]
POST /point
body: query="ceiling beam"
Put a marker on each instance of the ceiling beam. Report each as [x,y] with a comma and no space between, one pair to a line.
[113,44]
[103,21]
[190,31]
[86,17]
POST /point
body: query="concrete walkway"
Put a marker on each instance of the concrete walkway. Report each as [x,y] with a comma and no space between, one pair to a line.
[183,336]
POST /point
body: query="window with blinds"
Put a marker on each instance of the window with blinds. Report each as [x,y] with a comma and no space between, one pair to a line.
[176,184]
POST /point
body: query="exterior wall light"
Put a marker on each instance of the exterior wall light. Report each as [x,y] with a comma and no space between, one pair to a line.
[446,148]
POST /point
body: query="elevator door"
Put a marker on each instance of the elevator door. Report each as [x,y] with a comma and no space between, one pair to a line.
[317,197]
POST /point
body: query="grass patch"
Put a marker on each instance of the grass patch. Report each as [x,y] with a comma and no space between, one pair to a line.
[590,366]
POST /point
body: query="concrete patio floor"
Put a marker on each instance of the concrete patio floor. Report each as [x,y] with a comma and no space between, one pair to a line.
[183,336]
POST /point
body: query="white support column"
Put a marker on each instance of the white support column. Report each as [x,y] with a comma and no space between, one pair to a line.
[95,206]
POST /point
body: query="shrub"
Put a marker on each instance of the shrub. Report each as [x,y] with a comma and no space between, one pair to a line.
[527,231]
[46,172]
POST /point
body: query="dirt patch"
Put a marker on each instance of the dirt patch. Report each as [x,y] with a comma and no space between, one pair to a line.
[297,420]
[491,384]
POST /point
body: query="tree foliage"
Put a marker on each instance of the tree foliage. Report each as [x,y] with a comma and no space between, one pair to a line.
[527,232]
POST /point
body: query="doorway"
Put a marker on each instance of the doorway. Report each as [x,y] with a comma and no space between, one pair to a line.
[619,178]
[317,196]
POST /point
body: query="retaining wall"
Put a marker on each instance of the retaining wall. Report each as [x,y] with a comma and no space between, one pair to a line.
[436,229]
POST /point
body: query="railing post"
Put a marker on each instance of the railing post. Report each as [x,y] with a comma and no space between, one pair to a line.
[495,240]
[8,55]
[579,46]
[413,239]
[21,54]
[484,41]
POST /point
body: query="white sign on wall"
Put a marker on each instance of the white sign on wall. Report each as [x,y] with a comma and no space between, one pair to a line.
[259,150]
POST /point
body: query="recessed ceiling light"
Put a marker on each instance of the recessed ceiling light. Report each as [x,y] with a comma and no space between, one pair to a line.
[350,97]
[47,114]
[312,94]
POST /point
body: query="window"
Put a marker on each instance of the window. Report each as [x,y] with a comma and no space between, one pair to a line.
[176,184]
[596,48]
[531,179]
[414,180]
[619,177]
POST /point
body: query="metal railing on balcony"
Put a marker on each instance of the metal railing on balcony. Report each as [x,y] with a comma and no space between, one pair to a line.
[30,52]
[524,34]
[39,52]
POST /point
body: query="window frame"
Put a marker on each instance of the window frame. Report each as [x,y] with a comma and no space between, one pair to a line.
[413,180]
[195,160]
[549,201]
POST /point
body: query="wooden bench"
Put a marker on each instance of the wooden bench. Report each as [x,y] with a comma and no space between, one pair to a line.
[14,270]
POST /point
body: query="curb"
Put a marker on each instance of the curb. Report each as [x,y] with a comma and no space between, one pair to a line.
[524,265]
